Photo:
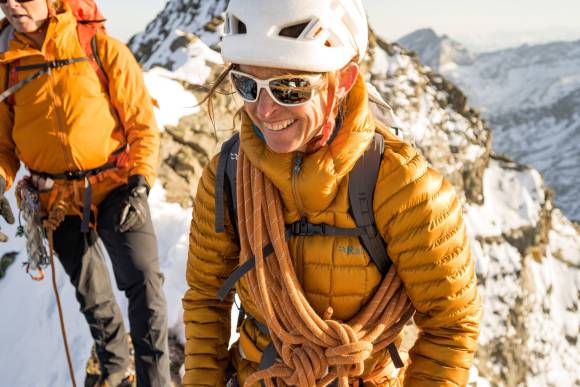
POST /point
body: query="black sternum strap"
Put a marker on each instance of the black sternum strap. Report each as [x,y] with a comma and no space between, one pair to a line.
[300,228]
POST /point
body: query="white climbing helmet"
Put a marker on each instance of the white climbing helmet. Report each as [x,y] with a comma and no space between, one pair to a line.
[307,35]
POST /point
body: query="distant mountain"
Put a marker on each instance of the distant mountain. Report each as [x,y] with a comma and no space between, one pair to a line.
[437,52]
[530,95]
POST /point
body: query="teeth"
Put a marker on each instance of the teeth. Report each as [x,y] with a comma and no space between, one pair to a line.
[278,125]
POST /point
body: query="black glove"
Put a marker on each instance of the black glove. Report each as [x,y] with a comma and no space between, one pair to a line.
[5,210]
[136,208]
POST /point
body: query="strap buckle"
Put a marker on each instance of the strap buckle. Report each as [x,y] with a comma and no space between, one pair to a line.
[75,175]
[305,228]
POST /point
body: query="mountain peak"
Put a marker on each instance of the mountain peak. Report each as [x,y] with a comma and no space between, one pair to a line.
[421,34]
[436,51]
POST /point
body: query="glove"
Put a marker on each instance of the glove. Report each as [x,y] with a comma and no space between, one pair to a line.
[135,208]
[5,210]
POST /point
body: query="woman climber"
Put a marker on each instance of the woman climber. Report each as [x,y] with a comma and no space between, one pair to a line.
[88,137]
[291,230]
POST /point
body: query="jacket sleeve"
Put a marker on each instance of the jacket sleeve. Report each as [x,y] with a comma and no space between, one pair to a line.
[9,162]
[133,104]
[421,219]
[212,257]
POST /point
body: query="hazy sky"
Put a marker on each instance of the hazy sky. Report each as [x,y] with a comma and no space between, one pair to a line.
[476,22]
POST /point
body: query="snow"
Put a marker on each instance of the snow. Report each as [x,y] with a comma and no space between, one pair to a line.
[513,199]
[173,100]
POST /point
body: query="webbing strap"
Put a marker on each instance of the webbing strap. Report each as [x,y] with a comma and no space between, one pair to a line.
[361,188]
[13,89]
[87,200]
[44,69]
[231,281]
[395,357]
[53,64]
[269,356]
[100,70]
[221,174]
[305,228]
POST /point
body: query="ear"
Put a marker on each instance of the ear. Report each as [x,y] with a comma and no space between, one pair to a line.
[347,78]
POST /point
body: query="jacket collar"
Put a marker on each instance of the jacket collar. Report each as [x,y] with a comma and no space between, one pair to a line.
[321,172]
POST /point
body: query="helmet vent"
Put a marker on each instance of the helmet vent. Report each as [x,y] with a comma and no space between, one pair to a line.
[241,27]
[237,26]
[295,30]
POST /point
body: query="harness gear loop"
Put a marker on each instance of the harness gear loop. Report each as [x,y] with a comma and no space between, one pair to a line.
[312,350]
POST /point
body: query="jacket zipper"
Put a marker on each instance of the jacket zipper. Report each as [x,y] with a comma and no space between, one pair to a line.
[298,264]
[59,122]
[295,172]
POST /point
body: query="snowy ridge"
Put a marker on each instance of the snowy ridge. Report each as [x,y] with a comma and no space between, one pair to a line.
[157,45]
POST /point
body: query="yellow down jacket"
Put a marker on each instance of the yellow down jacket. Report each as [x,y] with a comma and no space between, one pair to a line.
[417,214]
[65,121]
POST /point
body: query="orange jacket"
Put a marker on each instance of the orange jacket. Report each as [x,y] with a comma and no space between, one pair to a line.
[417,214]
[65,121]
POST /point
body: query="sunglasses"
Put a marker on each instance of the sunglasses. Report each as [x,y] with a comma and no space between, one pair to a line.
[286,90]
[18,1]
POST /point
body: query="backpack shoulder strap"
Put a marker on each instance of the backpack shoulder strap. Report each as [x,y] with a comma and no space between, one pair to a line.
[361,188]
[225,181]
[87,34]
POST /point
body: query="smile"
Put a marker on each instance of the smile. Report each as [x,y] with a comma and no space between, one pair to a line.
[277,126]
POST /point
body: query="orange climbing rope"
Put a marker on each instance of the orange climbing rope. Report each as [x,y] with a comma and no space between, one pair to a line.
[55,218]
[314,351]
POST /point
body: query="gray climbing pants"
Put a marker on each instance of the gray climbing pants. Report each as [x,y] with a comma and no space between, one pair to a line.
[135,264]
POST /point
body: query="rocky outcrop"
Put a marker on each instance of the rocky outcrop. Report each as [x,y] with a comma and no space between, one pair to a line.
[450,134]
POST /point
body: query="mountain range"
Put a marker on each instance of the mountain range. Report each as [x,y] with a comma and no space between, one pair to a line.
[530,95]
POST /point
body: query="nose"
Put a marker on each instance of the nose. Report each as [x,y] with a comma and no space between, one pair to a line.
[266,106]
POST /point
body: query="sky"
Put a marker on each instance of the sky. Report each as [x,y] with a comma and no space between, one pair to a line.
[481,25]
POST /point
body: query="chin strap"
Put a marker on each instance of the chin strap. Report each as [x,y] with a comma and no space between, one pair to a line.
[327,127]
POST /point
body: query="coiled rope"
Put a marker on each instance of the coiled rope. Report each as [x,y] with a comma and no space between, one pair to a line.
[314,351]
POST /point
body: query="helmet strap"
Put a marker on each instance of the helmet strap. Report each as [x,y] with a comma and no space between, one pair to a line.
[328,124]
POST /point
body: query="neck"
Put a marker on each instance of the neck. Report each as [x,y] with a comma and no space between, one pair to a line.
[39,35]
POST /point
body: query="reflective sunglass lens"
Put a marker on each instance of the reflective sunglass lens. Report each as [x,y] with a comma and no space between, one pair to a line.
[246,87]
[291,91]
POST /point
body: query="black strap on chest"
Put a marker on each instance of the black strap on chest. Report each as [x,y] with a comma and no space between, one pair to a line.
[362,181]
[43,68]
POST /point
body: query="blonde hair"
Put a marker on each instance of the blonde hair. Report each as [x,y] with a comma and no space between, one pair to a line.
[55,6]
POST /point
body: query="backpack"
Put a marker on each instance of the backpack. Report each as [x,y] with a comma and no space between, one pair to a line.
[90,21]
[361,187]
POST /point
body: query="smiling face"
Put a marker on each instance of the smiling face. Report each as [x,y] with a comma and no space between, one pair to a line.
[285,128]
[26,17]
